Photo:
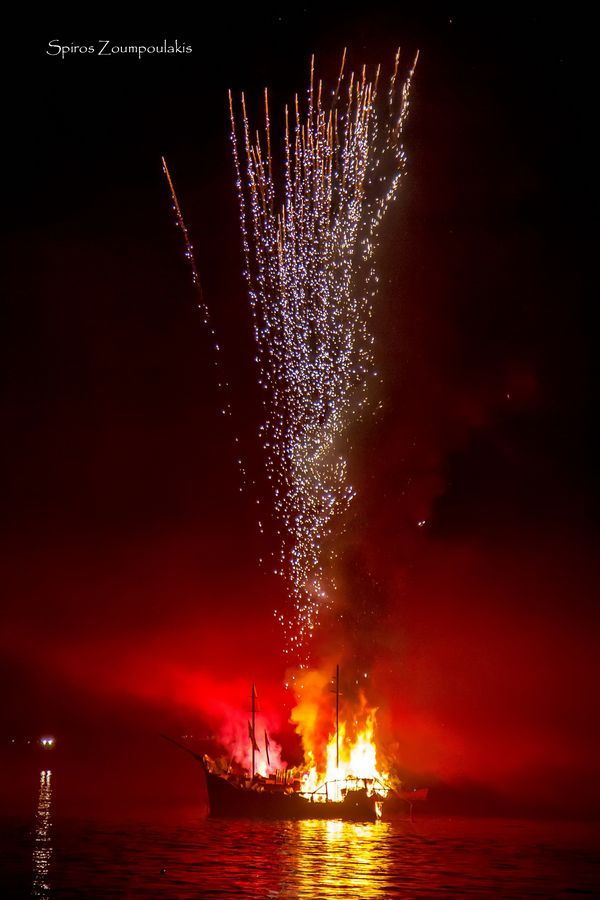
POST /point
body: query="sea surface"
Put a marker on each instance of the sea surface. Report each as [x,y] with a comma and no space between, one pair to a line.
[180,853]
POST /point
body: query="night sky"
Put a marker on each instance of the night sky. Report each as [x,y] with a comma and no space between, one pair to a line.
[133,601]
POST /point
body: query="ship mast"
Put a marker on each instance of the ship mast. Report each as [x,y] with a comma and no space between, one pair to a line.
[253,738]
[337,716]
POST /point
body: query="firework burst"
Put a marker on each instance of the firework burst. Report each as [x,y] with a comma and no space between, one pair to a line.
[309,237]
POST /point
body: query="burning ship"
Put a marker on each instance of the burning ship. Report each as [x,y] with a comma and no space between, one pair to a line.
[355,792]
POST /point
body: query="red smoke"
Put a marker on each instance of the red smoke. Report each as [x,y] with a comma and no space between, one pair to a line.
[481,673]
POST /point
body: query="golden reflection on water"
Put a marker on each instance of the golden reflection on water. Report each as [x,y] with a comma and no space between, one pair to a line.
[340,858]
[42,840]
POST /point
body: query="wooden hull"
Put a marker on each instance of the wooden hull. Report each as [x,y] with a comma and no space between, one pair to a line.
[227,800]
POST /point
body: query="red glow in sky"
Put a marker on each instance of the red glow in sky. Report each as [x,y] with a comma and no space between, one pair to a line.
[133,599]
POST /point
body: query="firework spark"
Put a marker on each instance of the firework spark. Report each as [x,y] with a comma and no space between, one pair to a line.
[309,239]
[191,259]
[222,383]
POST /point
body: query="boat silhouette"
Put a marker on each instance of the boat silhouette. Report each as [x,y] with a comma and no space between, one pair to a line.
[281,796]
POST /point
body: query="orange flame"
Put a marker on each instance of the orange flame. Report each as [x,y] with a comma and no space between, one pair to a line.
[325,774]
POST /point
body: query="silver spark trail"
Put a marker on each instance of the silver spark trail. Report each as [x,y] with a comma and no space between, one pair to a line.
[309,236]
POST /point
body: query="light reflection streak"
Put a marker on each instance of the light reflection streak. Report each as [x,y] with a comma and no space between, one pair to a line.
[42,838]
[336,858]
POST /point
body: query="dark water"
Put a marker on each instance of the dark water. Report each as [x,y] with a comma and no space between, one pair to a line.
[184,855]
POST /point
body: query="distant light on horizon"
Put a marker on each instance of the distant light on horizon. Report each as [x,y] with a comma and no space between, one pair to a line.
[47,741]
